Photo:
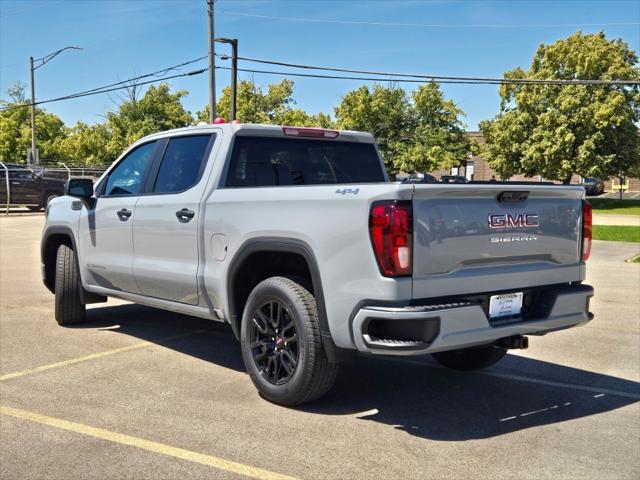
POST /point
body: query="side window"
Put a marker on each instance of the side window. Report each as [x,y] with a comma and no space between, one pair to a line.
[182,163]
[127,177]
[20,174]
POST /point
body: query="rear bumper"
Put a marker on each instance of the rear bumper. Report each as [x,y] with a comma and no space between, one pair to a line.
[418,330]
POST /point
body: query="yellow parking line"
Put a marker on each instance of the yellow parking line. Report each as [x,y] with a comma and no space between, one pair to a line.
[175,452]
[93,356]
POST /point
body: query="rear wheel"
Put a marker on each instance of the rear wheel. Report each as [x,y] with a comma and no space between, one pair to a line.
[69,308]
[474,358]
[34,208]
[281,343]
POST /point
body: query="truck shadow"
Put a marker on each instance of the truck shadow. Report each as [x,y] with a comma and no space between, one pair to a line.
[414,395]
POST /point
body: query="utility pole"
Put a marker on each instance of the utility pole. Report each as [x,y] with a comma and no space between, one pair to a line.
[234,72]
[34,157]
[212,65]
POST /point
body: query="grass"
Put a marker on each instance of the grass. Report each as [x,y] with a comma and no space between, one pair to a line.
[636,259]
[615,207]
[616,233]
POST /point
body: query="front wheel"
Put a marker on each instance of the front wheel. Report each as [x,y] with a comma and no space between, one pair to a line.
[69,308]
[469,359]
[281,343]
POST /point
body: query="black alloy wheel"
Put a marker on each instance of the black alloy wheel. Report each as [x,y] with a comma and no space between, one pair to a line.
[274,342]
[282,347]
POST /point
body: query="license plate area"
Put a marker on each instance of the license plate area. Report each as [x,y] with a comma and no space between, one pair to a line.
[505,307]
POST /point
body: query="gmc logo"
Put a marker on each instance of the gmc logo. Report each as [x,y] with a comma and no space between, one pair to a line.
[515,220]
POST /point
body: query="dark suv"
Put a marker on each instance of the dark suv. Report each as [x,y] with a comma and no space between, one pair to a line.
[28,188]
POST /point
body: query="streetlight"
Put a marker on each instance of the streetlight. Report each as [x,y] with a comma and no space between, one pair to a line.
[43,60]
[234,71]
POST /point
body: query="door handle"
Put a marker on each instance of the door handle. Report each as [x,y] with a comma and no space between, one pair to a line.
[185,215]
[124,214]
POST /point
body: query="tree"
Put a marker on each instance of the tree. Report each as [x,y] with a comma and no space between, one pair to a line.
[419,133]
[86,145]
[557,131]
[159,109]
[15,128]
[275,106]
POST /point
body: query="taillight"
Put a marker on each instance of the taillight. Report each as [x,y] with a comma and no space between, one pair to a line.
[390,227]
[587,230]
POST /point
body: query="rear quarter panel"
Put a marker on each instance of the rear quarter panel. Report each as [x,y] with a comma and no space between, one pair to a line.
[333,224]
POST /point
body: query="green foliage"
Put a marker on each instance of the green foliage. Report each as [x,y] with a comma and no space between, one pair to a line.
[415,134]
[86,145]
[15,129]
[275,106]
[159,109]
[557,131]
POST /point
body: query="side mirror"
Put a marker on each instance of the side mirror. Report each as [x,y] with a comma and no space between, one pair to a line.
[79,187]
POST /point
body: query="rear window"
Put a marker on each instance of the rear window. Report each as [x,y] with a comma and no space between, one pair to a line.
[267,162]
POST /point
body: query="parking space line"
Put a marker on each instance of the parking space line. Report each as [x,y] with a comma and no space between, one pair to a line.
[93,356]
[539,381]
[141,443]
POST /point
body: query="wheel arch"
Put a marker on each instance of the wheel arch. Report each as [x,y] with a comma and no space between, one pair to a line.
[274,248]
[53,237]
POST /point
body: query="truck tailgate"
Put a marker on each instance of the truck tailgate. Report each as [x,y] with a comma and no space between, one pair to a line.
[489,238]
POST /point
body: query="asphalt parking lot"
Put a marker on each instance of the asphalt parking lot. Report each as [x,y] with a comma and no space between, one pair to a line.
[141,393]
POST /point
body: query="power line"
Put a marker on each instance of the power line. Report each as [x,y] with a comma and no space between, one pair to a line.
[379,76]
[444,79]
[121,84]
[106,90]
[157,73]
[431,25]
[341,77]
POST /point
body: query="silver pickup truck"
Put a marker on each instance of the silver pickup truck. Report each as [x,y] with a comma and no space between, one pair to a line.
[297,239]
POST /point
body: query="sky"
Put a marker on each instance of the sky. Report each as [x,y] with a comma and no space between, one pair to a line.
[123,39]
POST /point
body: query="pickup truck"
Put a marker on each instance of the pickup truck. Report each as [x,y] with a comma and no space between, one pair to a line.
[297,239]
[28,188]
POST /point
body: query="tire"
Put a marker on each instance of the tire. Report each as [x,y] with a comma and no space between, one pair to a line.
[69,309]
[469,359]
[34,208]
[280,324]
[48,197]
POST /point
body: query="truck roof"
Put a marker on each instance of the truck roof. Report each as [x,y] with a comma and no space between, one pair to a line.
[263,130]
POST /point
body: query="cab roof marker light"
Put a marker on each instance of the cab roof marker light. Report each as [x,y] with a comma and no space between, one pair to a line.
[310,132]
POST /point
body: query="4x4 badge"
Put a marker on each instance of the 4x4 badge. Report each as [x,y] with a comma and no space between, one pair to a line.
[344,191]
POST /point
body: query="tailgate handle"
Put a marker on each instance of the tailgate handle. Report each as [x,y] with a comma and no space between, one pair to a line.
[513,197]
